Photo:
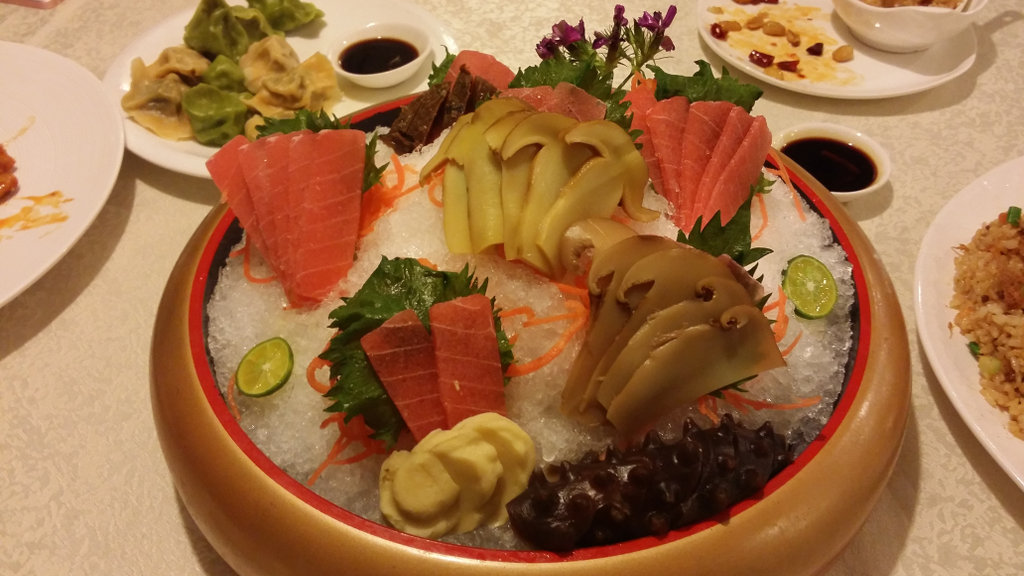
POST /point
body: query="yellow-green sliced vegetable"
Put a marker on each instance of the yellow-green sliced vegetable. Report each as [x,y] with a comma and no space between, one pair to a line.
[265,368]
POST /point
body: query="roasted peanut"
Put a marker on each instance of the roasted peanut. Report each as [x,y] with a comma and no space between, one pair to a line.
[843,54]
[773,28]
[793,38]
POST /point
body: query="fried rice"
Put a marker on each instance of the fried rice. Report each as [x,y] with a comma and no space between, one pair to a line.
[988,295]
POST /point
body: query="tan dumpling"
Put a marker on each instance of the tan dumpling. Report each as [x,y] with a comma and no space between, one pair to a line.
[155,103]
[268,57]
[312,85]
[180,60]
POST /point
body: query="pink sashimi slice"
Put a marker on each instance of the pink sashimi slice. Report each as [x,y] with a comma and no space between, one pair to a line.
[401,352]
[327,211]
[666,122]
[264,164]
[565,99]
[468,361]
[482,65]
[641,99]
[737,123]
[226,171]
[743,170]
[703,127]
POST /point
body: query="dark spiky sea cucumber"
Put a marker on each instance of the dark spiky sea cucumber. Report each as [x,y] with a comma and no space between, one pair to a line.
[649,489]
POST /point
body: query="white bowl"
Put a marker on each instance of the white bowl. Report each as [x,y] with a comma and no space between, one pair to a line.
[906,28]
[844,136]
[411,34]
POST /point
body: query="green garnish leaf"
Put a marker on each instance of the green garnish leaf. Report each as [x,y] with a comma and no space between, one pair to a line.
[396,285]
[371,172]
[704,85]
[733,239]
[439,71]
[1013,216]
[303,120]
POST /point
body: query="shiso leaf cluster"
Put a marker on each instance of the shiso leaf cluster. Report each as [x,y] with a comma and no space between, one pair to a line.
[397,284]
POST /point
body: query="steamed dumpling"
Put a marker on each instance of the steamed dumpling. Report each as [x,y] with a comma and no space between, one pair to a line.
[286,15]
[226,74]
[181,60]
[155,103]
[311,85]
[217,28]
[270,56]
[216,116]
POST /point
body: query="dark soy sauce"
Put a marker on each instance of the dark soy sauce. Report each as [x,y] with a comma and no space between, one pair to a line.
[377,55]
[840,167]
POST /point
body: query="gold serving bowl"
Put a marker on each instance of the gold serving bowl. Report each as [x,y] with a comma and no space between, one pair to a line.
[264,522]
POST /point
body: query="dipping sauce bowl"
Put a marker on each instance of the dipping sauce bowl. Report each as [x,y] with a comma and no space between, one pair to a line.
[382,54]
[848,163]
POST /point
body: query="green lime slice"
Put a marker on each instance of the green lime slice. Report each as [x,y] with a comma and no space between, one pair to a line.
[810,285]
[264,368]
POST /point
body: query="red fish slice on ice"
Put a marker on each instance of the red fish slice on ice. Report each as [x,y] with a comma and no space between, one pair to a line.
[401,352]
[732,188]
[666,121]
[327,216]
[734,129]
[298,196]
[565,99]
[482,65]
[641,99]
[703,127]
[468,361]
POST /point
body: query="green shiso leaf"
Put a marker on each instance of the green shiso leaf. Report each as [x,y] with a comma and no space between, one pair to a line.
[396,285]
[733,239]
[439,71]
[704,85]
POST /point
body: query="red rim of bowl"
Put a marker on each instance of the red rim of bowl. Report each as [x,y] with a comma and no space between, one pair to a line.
[197,343]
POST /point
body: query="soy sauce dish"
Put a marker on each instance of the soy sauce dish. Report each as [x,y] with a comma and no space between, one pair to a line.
[382,54]
[847,163]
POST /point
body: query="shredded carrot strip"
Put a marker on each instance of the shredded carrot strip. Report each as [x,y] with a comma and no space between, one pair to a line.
[742,403]
[518,311]
[577,291]
[383,196]
[315,383]
[784,174]
[426,262]
[763,207]
[792,345]
[781,324]
[434,187]
[579,321]
[550,319]
[708,406]
[232,404]
[353,432]
[244,251]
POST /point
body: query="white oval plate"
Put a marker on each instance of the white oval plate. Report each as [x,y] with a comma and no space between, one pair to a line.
[945,347]
[65,134]
[882,74]
[340,19]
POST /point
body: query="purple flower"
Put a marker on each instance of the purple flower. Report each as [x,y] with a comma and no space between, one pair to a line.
[656,23]
[600,40]
[667,45]
[547,48]
[564,34]
[619,18]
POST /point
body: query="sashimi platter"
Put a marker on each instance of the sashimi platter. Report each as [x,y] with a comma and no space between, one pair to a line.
[575,318]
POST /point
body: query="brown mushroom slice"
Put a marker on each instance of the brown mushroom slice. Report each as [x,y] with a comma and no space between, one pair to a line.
[614,143]
[654,283]
[588,236]
[695,361]
[607,317]
[715,296]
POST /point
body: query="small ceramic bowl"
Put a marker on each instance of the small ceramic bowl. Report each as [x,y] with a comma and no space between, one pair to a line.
[382,45]
[846,162]
[906,28]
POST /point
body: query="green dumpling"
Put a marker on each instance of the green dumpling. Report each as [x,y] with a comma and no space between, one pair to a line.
[286,15]
[226,74]
[216,115]
[219,29]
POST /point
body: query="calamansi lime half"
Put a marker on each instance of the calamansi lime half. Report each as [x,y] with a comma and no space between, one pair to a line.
[264,368]
[810,285]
